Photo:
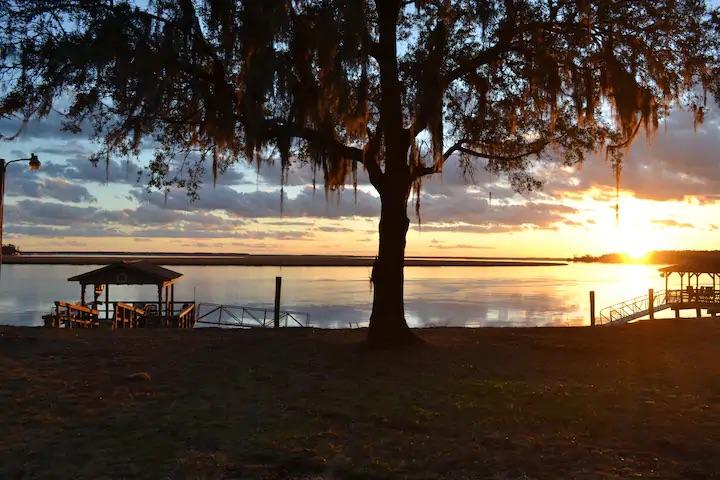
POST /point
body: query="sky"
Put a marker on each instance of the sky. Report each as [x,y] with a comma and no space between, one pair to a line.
[670,199]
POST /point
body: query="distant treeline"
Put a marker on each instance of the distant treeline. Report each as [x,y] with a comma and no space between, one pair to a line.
[10,249]
[659,256]
[130,254]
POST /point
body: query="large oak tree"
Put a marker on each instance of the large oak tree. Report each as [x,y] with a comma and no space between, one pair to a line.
[394,87]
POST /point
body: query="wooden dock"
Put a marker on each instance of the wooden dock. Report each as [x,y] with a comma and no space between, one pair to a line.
[655,302]
[122,314]
[692,295]
[165,312]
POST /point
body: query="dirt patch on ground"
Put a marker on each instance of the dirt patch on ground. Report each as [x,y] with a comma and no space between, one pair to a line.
[640,400]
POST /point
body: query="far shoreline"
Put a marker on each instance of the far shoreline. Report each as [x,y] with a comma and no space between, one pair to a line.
[248,260]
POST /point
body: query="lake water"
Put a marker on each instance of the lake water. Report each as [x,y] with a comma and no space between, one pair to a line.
[335,296]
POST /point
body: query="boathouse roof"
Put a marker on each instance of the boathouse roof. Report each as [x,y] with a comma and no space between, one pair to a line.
[128,272]
[698,266]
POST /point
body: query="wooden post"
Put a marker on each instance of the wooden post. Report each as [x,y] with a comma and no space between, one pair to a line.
[278,287]
[698,313]
[592,308]
[82,294]
[3,166]
[107,301]
[159,312]
[651,304]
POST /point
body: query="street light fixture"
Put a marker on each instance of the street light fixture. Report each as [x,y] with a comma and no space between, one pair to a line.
[34,164]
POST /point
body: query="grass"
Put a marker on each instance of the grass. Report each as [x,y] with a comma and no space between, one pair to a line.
[634,401]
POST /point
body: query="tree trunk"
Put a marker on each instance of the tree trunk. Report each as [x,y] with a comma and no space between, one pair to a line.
[387,321]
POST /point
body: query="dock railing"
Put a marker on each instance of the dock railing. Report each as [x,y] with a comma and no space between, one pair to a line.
[632,308]
[248,317]
[122,314]
[700,295]
[178,308]
[178,314]
[638,307]
[128,316]
[71,315]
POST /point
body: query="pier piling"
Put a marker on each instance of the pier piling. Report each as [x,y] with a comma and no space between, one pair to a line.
[276,315]
[592,308]
[651,304]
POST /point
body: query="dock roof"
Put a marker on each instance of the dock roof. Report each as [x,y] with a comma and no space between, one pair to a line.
[128,272]
[697,266]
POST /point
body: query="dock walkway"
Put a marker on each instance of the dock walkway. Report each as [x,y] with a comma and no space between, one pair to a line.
[648,305]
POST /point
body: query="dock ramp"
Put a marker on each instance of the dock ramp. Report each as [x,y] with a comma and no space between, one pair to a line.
[634,309]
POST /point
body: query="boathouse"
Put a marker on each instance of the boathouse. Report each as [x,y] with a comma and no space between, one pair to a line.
[165,312]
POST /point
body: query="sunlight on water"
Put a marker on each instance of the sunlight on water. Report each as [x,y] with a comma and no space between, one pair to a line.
[335,296]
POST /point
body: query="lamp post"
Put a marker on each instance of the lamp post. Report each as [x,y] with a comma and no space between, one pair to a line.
[34,164]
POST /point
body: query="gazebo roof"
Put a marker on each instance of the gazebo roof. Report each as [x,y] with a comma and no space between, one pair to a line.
[698,266]
[128,272]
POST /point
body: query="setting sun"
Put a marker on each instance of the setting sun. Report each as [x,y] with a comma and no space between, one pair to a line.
[634,242]
[636,252]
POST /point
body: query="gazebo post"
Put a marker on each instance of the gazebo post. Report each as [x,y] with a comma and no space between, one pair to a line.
[107,301]
[666,281]
[167,302]
[159,300]
[172,299]
[82,294]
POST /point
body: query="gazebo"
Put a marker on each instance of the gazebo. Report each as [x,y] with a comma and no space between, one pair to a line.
[136,272]
[699,286]
[692,270]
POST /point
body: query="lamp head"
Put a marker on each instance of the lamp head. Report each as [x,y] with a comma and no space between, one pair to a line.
[34,162]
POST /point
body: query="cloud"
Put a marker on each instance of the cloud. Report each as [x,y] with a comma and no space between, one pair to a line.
[67,197]
[672,223]
[49,188]
[48,128]
[79,169]
[52,219]
[262,203]
[676,162]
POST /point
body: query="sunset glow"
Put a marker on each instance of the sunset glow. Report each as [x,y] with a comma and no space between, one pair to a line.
[555,222]
[668,201]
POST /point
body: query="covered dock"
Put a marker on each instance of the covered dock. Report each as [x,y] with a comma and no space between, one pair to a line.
[688,286]
[699,284]
[165,312]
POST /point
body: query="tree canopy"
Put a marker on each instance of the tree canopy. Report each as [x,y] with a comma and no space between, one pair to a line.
[396,87]
[502,80]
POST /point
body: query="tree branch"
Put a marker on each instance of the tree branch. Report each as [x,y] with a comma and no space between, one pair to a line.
[458,147]
[472,64]
[366,156]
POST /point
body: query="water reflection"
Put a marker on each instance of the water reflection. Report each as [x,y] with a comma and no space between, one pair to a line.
[336,296]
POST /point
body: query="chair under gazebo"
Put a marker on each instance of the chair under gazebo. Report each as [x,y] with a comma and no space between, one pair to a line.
[165,312]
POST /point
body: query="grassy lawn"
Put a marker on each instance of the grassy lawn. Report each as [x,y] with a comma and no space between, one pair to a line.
[621,402]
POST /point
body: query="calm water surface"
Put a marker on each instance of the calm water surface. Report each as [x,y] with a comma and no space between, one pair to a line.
[334,296]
